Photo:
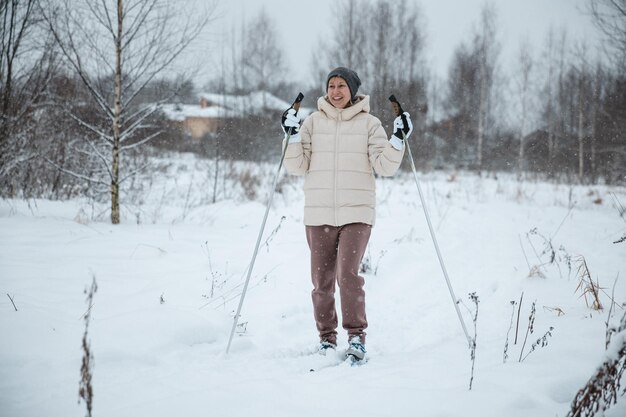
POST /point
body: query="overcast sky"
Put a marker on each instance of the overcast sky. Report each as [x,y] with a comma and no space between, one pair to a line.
[448,22]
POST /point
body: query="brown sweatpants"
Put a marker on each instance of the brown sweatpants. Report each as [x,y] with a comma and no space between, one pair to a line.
[336,254]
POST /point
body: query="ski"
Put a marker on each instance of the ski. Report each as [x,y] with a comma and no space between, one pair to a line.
[344,359]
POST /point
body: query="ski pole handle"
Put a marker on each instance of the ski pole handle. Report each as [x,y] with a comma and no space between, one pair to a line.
[395,104]
[297,102]
[290,130]
[397,108]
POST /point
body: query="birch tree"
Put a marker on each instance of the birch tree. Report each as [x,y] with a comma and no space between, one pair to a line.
[116,48]
[581,74]
[487,49]
[523,89]
[553,59]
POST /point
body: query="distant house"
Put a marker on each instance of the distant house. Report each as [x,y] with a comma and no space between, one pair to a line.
[212,111]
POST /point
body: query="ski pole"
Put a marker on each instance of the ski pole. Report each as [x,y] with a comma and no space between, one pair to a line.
[296,106]
[399,112]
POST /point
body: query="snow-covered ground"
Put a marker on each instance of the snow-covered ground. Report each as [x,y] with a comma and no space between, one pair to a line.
[169,280]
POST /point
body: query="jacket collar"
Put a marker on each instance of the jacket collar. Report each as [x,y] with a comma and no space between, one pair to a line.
[362,104]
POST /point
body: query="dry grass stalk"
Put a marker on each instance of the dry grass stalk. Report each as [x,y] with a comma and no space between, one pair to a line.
[530,329]
[506,344]
[590,290]
[12,301]
[541,342]
[85,388]
[559,312]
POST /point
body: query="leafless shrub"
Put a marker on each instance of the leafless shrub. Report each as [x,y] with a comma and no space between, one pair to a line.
[250,184]
[603,388]
[546,254]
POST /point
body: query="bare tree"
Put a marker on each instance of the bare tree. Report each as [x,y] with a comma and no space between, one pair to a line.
[331,51]
[609,16]
[263,61]
[383,41]
[471,90]
[553,59]
[117,49]
[27,64]
[523,88]
[349,32]
[459,104]
[609,119]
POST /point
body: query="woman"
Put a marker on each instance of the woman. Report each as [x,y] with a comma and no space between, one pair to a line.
[338,149]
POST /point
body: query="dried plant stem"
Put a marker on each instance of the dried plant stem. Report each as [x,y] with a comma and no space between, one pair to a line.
[530,329]
[273,233]
[85,388]
[474,298]
[506,344]
[519,309]
[12,301]
[587,286]
[541,342]
[609,330]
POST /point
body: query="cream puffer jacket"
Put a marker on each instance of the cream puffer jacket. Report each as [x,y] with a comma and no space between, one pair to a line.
[338,153]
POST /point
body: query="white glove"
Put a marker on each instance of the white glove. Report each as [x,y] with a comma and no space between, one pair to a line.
[291,125]
[402,126]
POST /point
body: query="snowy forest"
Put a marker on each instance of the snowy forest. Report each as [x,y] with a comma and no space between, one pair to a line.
[524,167]
[560,115]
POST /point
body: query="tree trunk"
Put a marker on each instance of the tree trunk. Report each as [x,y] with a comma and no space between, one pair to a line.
[481,116]
[217,165]
[117,119]
[581,135]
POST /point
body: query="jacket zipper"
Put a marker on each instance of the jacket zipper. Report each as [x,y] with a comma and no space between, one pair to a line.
[335,205]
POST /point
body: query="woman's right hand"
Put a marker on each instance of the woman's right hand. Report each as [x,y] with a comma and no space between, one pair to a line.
[290,123]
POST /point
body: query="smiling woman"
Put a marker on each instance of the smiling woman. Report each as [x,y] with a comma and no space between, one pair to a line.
[342,87]
[338,149]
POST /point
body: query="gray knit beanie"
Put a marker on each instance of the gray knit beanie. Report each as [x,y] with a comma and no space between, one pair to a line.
[351,77]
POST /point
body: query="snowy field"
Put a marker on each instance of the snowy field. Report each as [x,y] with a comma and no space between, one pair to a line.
[169,280]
